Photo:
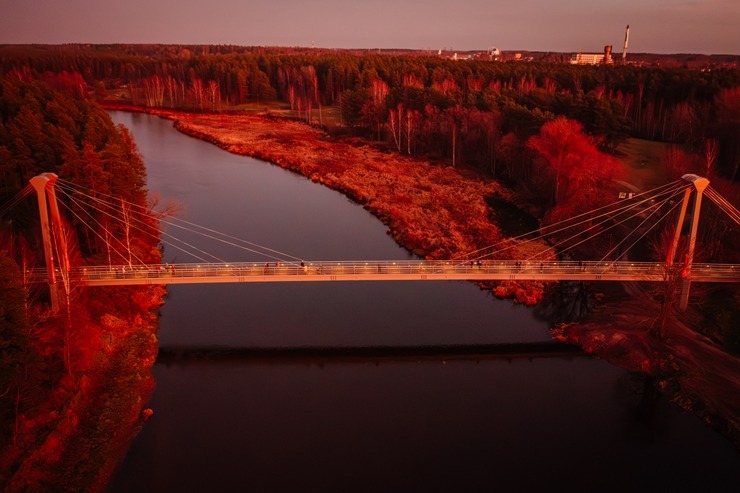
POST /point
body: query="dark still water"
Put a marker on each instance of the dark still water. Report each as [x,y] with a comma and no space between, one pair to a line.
[518,424]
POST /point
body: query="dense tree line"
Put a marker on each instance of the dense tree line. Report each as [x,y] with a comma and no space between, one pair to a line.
[49,126]
[468,111]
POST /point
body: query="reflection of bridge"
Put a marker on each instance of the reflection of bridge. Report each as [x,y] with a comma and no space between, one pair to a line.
[385,270]
[647,208]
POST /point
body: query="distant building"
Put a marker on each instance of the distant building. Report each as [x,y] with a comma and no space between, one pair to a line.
[490,54]
[593,58]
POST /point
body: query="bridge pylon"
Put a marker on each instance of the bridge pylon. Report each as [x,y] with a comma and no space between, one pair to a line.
[699,184]
[49,213]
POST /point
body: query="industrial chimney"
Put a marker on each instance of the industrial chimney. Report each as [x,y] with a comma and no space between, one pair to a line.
[626,42]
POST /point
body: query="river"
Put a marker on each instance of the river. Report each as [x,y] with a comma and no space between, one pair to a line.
[523,422]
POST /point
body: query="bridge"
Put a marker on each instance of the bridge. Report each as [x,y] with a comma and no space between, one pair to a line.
[385,270]
[486,264]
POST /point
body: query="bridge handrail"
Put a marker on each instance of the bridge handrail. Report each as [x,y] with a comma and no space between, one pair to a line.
[412,266]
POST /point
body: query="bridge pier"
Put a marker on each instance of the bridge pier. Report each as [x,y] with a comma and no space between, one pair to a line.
[44,185]
[699,184]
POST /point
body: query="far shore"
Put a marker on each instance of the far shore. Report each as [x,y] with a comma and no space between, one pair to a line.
[438,211]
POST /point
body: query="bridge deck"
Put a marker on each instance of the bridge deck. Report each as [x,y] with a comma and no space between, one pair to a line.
[405,270]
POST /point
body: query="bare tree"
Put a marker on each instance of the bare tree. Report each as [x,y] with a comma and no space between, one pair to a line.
[126,211]
[378,92]
[412,122]
[315,84]
[410,80]
[154,89]
[214,93]
[711,150]
[199,92]
[395,117]
[455,118]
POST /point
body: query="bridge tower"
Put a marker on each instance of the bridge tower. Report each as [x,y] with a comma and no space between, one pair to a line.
[49,212]
[699,184]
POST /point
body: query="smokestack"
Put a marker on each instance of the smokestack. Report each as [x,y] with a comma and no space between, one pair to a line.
[626,42]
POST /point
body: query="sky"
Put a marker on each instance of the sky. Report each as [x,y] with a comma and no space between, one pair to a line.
[656,26]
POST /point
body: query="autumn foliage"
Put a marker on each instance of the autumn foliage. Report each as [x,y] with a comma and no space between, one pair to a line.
[581,175]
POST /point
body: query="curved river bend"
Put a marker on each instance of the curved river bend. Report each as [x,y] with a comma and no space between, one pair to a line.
[520,423]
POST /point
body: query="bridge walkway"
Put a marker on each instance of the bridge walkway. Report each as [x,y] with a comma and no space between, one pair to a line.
[386,270]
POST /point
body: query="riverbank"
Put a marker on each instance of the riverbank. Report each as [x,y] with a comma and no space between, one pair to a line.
[688,367]
[440,212]
[432,210]
[78,436]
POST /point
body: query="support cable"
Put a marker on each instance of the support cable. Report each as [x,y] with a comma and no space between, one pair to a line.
[144,231]
[123,256]
[173,222]
[638,228]
[612,214]
[724,205]
[654,207]
[17,198]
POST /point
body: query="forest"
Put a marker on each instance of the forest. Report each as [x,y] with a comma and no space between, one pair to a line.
[478,113]
[552,131]
[510,120]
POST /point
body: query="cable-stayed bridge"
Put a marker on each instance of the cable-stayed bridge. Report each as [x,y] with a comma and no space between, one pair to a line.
[638,216]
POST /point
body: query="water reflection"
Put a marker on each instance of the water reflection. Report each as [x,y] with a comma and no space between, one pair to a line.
[518,425]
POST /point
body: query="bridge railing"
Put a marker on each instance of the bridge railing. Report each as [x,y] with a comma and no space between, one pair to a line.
[547,269]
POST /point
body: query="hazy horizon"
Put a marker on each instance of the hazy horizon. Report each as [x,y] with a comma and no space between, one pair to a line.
[656,26]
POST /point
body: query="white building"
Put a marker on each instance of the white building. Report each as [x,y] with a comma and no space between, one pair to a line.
[593,58]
